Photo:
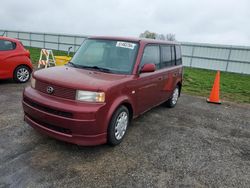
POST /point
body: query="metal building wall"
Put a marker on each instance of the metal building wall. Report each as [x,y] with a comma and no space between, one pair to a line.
[217,57]
[46,40]
[208,56]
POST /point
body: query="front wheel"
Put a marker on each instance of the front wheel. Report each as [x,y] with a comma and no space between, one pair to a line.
[118,126]
[22,74]
[174,98]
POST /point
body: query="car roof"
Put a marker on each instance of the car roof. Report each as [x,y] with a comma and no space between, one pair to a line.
[134,39]
[8,38]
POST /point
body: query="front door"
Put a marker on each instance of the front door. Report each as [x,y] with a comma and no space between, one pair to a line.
[149,85]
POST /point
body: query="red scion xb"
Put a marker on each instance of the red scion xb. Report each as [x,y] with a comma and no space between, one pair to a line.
[14,60]
[109,81]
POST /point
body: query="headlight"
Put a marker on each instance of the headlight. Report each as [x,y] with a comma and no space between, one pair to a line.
[33,82]
[90,96]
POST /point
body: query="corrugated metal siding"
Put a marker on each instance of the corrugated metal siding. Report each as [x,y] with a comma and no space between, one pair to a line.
[47,40]
[240,55]
[217,57]
[186,50]
[2,33]
[186,61]
[208,64]
[239,67]
[207,56]
[211,52]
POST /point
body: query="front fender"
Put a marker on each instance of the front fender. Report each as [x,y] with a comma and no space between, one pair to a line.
[117,102]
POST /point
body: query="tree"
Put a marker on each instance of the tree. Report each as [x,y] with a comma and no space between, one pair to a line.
[170,37]
[161,37]
[148,34]
[152,35]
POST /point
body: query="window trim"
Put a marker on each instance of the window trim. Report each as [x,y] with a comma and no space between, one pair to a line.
[13,44]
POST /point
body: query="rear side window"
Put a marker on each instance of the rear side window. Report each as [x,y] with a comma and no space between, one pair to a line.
[7,45]
[22,45]
[151,54]
[178,55]
[173,54]
[168,56]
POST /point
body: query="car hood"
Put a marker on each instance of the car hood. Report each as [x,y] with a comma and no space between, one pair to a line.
[76,78]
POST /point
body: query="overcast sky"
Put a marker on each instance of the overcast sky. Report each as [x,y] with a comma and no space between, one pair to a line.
[210,21]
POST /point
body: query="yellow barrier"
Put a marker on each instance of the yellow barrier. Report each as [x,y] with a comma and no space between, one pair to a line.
[62,60]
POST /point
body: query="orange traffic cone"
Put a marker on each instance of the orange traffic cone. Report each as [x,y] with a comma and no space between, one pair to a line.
[215,93]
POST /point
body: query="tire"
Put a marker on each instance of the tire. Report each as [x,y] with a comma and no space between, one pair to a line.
[22,74]
[118,126]
[174,98]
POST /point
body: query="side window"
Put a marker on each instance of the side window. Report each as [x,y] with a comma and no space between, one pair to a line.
[166,54]
[178,55]
[151,54]
[7,45]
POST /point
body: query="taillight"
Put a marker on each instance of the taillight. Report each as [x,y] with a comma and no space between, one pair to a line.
[28,53]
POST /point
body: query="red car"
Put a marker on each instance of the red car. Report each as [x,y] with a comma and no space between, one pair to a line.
[109,81]
[14,60]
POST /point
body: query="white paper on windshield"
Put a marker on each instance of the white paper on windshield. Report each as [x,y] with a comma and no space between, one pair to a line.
[125,45]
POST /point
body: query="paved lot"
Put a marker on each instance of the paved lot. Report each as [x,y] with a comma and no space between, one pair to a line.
[193,145]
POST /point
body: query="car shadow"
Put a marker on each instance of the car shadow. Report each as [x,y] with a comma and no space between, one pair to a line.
[12,82]
[65,147]
[8,81]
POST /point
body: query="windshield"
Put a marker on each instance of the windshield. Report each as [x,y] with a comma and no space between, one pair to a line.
[106,55]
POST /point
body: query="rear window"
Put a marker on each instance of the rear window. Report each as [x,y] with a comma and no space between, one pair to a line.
[22,45]
[7,45]
[178,55]
[168,56]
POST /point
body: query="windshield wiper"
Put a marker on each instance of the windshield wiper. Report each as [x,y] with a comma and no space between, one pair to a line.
[76,65]
[100,68]
[95,68]
[72,64]
[89,67]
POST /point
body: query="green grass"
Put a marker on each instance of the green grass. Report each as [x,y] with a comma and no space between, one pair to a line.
[233,87]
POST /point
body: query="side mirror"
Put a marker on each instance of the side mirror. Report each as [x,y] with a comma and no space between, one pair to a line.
[150,67]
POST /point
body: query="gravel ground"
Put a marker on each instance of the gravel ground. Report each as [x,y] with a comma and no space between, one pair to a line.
[193,145]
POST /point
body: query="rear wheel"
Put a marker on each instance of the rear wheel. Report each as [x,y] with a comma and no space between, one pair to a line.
[118,126]
[174,98]
[22,74]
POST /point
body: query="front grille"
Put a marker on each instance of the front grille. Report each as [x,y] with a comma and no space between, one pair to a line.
[47,109]
[52,127]
[59,91]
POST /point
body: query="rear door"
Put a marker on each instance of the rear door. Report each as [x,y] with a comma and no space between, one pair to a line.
[149,84]
[6,51]
[168,64]
[177,70]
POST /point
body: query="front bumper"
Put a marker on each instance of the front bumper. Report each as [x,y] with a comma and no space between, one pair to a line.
[66,120]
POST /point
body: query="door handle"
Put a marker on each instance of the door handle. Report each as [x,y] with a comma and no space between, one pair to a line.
[160,78]
[175,74]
